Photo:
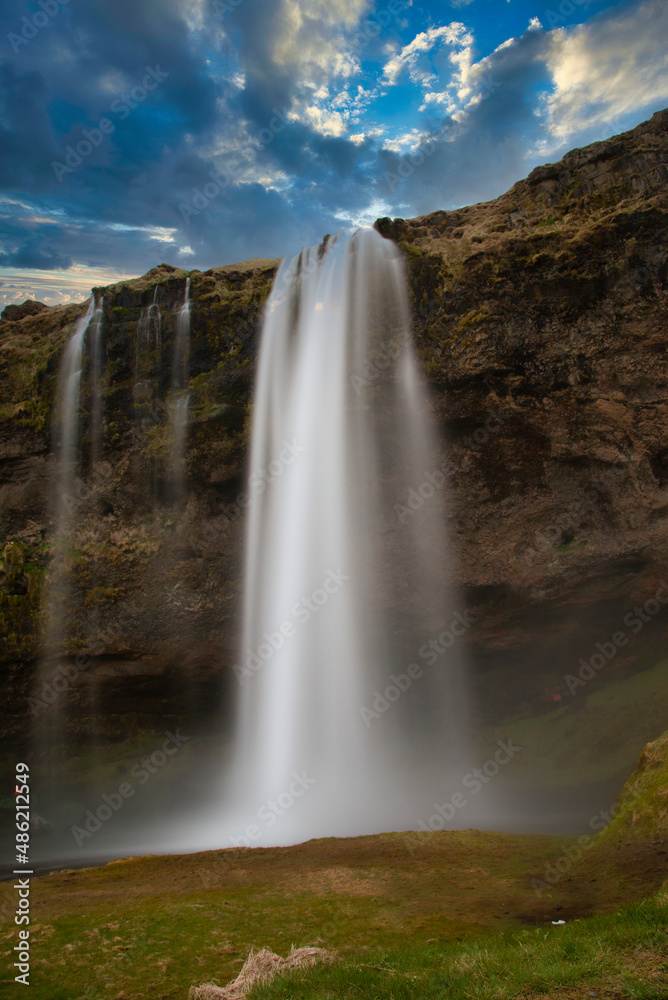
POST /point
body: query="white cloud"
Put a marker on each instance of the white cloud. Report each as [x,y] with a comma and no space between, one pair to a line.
[311,41]
[71,285]
[323,121]
[411,56]
[406,142]
[366,217]
[607,69]
[159,233]
[313,45]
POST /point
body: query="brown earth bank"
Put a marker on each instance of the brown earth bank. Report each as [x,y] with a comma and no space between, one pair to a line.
[540,324]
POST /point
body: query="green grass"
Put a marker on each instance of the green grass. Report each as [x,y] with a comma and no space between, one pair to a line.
[642,809]
[406,915]
[624,955]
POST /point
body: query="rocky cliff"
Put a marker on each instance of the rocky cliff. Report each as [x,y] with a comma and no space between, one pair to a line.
[540,322]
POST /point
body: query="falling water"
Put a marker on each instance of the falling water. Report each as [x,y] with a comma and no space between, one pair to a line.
[147,361]
[66,429]
[178,407]
[154,321]
[182,343]
[96,381]
[343,726]
[66,436]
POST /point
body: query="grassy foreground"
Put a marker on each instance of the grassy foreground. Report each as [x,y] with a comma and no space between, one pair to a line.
[450,914]
[617,956]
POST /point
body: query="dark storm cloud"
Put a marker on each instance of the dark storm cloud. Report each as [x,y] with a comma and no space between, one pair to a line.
[38,252]
[26,136]
[90,43]
[84,64]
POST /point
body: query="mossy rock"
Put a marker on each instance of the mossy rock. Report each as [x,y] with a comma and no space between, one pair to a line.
[641,812]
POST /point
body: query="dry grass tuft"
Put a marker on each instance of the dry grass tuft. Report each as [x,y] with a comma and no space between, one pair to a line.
[260,967]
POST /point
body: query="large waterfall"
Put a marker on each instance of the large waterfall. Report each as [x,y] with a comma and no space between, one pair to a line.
[343,726]
[350,707]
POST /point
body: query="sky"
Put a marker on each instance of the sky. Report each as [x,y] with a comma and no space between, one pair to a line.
[206,132]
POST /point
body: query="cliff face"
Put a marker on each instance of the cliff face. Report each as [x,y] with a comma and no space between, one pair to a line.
[540,321]
[549,306]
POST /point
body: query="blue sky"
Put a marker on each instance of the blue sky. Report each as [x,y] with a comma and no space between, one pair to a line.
[204,132]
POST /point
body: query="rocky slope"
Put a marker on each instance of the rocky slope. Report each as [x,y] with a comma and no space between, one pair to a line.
[540,321]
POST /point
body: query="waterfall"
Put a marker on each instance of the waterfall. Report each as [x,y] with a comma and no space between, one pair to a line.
[147,361]
[178,405]
[64,490]
[96,382]
[182,343]
[66,429]
[351,709]
[154,321]
[348,722]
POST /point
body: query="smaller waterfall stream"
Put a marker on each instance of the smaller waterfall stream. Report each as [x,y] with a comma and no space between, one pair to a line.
[147,361]
[66,429]
[96,381]
[178,405]
[66,434]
